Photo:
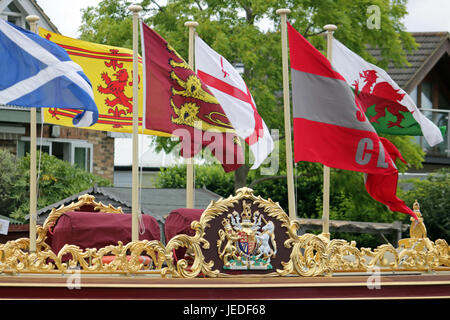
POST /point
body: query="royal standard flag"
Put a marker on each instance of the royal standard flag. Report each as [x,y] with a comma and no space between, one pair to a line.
[110,70]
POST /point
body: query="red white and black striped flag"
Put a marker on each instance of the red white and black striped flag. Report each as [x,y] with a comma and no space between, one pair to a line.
[327,128]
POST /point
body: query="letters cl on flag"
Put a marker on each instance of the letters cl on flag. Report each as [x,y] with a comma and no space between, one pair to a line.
[328,128]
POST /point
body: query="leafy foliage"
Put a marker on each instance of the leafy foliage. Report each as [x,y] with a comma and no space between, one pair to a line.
[433,195]
[57,180]
[8,181]
[211,177]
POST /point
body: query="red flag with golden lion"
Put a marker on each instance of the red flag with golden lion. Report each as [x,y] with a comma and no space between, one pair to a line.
[179,103]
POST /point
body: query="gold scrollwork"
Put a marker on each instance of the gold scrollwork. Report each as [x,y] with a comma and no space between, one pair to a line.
[310,255]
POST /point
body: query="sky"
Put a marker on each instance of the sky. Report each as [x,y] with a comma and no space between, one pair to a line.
[424,15]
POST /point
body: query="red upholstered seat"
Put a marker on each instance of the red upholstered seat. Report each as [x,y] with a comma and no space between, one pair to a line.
[98,230]
[179,222]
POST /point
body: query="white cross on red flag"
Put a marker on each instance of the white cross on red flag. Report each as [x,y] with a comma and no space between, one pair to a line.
[225,82]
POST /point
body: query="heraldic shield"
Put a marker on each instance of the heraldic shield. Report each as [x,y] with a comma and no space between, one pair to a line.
[247,241]
[242,234]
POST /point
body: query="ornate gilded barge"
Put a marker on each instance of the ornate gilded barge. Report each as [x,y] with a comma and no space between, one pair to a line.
[242,247]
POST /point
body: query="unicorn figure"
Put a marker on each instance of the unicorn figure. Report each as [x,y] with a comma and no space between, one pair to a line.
[263,238]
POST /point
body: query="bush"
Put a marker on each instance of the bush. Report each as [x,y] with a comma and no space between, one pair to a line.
[9,178]
[57,180]
[211,177]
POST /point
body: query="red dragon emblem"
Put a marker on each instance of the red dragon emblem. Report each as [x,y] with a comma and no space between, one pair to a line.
[380,94]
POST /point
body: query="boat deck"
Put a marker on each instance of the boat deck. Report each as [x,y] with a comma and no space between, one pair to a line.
[399,285]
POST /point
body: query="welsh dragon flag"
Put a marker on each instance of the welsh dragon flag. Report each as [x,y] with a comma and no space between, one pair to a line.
[388,108]
[328,129]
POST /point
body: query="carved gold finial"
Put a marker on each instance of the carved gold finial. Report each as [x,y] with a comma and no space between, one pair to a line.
[417,229]
[416,207]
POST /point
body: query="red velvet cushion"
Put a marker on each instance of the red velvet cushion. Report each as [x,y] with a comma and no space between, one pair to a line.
[179,222]
[97,230]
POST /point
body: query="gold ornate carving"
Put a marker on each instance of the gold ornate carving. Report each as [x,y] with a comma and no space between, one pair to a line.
[14,258]
[308,255]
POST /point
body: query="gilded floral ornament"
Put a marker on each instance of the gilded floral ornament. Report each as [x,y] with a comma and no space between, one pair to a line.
[242,234]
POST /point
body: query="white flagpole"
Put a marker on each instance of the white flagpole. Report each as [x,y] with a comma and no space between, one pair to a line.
[326,170]
[135,164]
[287,114]
[32,20]
[190,174]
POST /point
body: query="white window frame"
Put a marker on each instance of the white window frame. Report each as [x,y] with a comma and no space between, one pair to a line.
[86,145]
[44,142]
[72,144]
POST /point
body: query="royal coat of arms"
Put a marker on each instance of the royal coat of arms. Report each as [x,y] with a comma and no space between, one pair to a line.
[247,241]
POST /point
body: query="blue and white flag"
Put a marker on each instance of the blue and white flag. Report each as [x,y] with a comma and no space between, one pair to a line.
[35,72]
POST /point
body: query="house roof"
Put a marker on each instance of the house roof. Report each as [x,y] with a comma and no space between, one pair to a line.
[29,7]
[11,220]
[432,46]
[154,201]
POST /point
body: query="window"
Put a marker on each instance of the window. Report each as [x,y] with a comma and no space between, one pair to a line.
[81,154]
[23,147]
[427,98]
[76,152]
[82,158]
[14,15]
[413,95]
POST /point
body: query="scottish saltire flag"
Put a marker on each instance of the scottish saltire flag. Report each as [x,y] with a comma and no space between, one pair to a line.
[35,72]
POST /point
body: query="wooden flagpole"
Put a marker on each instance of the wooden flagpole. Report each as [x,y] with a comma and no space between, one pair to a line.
[190,174]
[326,170]
[135,163]
[287,114]
[32,20]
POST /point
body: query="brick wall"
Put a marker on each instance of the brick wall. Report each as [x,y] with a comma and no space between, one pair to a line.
[103,157]
[103,154]
[103,146]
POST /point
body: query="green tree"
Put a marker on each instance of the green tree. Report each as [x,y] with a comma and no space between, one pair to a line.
[247,32]
[433,195]
[57,180]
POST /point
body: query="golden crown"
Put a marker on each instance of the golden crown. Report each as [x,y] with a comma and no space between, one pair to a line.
[246,211]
